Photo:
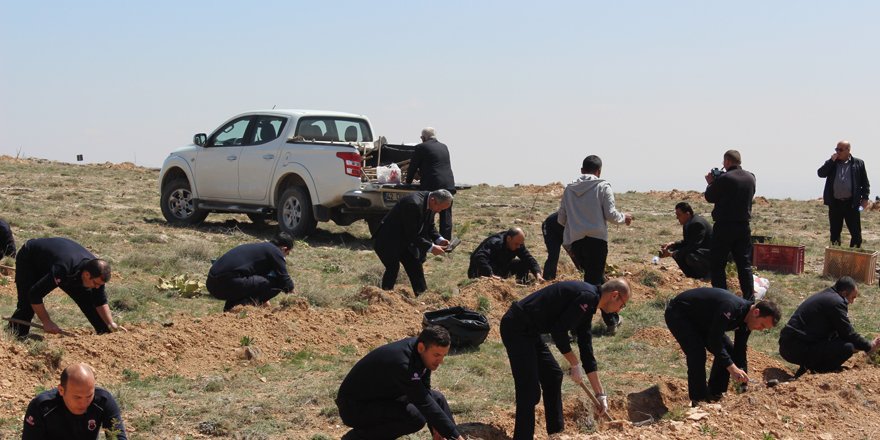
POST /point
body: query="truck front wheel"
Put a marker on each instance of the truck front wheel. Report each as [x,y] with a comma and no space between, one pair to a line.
[295,214]
[178,206]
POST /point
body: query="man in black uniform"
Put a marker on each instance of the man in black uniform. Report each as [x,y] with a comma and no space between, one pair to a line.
[387,394]
[732,194]
[7,241]
[76,410]
[698,319]
[430,161]
[407,234]
[691,253]
[846,190]
[556,309]
[251,273]
[43,264]
[502,255]
[819,336]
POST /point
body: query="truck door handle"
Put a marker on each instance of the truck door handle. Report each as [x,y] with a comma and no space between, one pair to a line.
[231,157]
[268,156]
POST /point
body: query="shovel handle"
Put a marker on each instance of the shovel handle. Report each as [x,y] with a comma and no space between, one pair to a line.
[35,325]
[594,399]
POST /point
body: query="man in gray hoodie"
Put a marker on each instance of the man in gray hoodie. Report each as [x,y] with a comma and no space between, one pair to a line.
[586,208]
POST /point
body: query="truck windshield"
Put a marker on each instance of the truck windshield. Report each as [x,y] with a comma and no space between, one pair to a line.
[330,129]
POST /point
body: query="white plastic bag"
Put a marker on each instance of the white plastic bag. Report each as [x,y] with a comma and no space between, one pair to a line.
[388,174]
[761,286]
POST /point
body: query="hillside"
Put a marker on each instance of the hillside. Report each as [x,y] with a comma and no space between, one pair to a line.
[179,372]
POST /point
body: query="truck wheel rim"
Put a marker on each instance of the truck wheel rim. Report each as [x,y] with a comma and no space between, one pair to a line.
[292,212]
[181,203]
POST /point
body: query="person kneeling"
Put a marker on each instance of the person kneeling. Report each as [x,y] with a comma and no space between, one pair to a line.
[251,273]
[502,255]
[387,394]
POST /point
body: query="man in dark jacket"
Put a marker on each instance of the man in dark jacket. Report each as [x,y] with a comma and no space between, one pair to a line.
[430,162]
[7,241]
[251,273]
[732,194]
[691,253]
[502,255]
[819,336]
[698,319]
[407,234]
[76,410]
[43,264]
[846,189]
[556,309]
[387,394]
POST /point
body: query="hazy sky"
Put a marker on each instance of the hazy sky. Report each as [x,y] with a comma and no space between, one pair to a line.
[520,91]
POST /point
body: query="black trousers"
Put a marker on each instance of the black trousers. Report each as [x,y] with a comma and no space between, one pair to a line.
[254,289]
[446,222]
[392,258]
[534,371]
[386,419]
[693,265]
[694,344]
[553,242]
[821,356]
[24,280]
[518,268]
[840,211]
[592,254]
[732,238]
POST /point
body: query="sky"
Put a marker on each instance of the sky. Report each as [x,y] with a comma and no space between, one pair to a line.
[521,92]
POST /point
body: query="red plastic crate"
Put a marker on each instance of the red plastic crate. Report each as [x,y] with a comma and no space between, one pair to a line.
[778,258]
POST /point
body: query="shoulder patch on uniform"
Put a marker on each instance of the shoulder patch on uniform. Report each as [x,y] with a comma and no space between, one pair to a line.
[416,376]
[726,315]
[584,307]
[92,424]
[30,420]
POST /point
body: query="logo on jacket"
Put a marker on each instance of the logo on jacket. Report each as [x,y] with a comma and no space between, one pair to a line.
[726,315]
[30,420]
[416,377]
[92,425]
[584,307]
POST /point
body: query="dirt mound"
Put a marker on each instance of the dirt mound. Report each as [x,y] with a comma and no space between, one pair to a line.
[676,195]
[482,431]
[655,337]
[761,201]
[554,189]
[119,166]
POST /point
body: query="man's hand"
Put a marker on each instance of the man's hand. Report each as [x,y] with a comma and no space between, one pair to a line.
[50,327]
[864,204]
[709,178]
[603,403]
[628,219]
[737,374]
[875,345]
[442,242]
[540,277]
[834,157]
[116,327]
[437,250]
[577,373]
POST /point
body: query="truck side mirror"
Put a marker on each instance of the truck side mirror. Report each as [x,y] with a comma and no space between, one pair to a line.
[200,139]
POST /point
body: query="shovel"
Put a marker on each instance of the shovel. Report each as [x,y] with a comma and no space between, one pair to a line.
[35,325]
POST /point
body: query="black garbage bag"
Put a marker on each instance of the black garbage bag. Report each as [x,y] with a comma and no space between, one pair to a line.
[467,328]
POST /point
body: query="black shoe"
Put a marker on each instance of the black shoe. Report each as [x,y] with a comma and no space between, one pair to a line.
[800,372]
[351,435]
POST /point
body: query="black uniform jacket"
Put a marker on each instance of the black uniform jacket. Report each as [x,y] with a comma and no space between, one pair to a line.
[822,317]
[732,194]
[493,256]
[252,259]
[7,241]
[712,312]
[410,225]
[431,160]
[563,307]
[697,235]
[58,262]
[47,418]
[861,188]
[392,372]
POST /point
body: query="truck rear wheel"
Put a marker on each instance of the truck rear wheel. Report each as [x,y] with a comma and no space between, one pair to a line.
[178,205]
[295,214]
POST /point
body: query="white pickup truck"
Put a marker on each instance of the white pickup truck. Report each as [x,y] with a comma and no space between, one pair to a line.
[300,166]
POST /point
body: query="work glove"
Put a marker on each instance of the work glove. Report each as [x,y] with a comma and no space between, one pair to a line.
[577,373]
[603,403]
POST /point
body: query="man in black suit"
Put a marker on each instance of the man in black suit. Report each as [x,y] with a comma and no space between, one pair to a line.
[819,336]
[502,255]
[430,161]
[7,241]
[407,234]
[846,189]
[692,252]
